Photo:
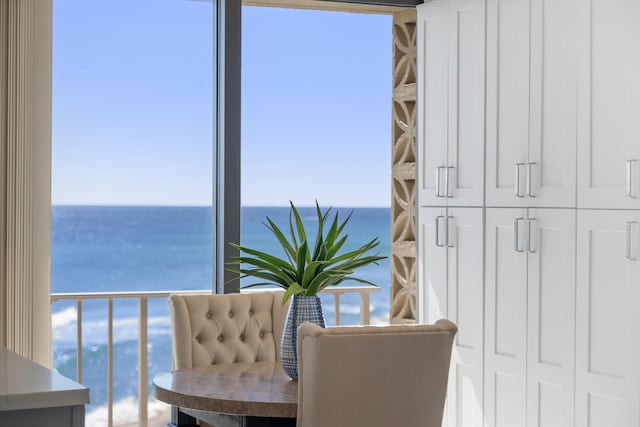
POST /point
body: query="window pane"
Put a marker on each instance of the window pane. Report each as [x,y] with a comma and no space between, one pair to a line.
[132,175]
[316,125]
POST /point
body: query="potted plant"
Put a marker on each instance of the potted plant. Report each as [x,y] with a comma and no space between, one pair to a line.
[308,268]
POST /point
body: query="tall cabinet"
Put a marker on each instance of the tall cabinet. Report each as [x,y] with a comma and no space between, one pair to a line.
[607,315]
[531,103]
[530,317]
[451,188]
[529,193]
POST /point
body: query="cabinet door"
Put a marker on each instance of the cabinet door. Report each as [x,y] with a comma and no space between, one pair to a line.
[507,101]
[608,282]
[505,319]
[551,172]
[432,98]
[432,267]
[551,324]
[465,289]
[466,102]
[609,128]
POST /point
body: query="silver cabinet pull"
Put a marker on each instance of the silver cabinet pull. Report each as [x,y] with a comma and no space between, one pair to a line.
[630,179]
[450,240]
[530,166]
[517,192]
[516,234]
[438,183]
[629,255]
[447,181]
[530,248]
[438,218]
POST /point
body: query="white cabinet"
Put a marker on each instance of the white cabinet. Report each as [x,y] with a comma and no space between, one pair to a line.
[531,103]
[432,264]
[505,319]
[607,306]
[529,306]
[451,244]
[551,317]
[451,131]
[561,311]
[609,124]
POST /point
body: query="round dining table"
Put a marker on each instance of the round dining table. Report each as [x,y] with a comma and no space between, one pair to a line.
[255,394]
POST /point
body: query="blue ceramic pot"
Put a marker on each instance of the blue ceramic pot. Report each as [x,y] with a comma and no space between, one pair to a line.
[302,309]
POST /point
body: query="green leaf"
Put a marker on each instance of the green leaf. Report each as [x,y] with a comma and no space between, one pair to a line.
[262,255]
[294,289]
[310,273]
[333,231]
[315,284]
[336,247]
[265,264]
[302,234]
[356,279]
[305,271]
[329,280]
[288,248]
[276,280]
[344,223]
[355,253]
[253,285]
[294,241]
[286,273]
[302,259]
[319,240]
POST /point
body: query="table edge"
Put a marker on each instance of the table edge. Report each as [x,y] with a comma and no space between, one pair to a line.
[205,403]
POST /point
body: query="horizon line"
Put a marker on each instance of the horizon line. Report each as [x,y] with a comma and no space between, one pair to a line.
[210,206]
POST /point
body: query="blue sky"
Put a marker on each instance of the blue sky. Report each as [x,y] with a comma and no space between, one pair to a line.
[132,105]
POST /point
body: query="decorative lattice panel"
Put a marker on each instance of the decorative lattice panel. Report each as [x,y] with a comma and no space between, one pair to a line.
[403,204]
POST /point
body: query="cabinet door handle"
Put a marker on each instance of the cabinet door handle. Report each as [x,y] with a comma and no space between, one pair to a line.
[630,178]
[438,183]
[517,192]
[516,234]
[530,192]
[447,181]
[629,256]
[438,218]
[450,241]
[530,248]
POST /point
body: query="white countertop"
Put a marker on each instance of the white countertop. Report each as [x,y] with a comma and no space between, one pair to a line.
[27,385]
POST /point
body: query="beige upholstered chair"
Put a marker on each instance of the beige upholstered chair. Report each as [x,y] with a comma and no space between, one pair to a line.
[390,376]
[209,329]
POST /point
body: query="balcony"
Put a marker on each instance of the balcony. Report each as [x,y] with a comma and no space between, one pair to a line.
[116,404]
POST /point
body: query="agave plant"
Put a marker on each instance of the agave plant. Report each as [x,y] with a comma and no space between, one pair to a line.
[309,267]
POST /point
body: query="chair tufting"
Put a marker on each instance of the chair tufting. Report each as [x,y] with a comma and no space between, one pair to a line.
[231,328]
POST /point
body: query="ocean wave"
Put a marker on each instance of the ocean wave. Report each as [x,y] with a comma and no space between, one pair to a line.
[350,309]
[125,329]
[381,320]
[64,317]
[95,332]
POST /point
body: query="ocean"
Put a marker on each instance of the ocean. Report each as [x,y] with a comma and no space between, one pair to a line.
[118,248]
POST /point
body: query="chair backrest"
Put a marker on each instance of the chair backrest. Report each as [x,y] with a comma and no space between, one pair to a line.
[373,376]
[231,328]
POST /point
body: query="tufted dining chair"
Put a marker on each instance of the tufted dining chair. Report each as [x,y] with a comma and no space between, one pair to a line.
[225,328]
[373,376]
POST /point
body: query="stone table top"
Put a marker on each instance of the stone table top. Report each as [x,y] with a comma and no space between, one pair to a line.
[259,389]
[27,385]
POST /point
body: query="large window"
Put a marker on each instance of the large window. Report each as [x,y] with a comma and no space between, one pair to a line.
[132,174]
[133,143]
[316,125]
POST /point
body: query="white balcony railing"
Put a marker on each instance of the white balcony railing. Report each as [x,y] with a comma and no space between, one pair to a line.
[143,298]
